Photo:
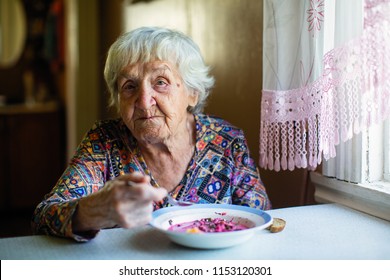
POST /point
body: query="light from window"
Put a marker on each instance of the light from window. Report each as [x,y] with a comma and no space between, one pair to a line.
[386,140]
[376,153]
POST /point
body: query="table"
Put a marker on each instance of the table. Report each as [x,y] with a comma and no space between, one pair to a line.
[318,232]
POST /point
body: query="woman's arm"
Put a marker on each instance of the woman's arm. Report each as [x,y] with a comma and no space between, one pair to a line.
[249,189]
[84,176]
[90,196]
[125,202]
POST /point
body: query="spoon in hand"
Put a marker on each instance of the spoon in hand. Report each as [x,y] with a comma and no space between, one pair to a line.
[175,202]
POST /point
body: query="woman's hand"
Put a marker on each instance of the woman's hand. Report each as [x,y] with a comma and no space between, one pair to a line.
[126,202]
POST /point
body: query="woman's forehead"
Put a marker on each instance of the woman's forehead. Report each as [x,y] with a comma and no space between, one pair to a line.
[141,68]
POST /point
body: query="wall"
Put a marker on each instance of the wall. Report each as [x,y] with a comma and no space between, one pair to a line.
[82,68]
[111,25]
[229,35]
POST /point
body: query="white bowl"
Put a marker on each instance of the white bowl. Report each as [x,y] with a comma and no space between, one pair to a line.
[254,219]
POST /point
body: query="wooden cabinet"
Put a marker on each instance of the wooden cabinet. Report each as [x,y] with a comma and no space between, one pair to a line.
[32,153]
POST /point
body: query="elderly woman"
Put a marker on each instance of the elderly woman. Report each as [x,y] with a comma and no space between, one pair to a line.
[161,143]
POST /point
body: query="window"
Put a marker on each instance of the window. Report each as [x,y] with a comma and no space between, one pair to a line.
[376,148]
[386,173]
[359,175]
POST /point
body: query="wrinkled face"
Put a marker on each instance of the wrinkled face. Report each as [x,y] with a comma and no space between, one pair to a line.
[153,100]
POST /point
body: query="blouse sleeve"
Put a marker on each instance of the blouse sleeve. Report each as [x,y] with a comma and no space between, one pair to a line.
[248,188]
[84,175]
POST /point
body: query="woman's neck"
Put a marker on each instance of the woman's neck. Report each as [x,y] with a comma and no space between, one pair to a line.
[168,161]
[182,140]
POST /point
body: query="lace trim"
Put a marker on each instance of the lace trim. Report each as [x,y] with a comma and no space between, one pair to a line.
[300,126]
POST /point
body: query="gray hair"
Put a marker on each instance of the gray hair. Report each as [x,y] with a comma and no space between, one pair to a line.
[149,43]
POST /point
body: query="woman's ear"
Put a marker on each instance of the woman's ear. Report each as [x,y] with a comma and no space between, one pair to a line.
[193,97]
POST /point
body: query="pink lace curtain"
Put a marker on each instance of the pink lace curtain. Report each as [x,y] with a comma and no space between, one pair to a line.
[326,77]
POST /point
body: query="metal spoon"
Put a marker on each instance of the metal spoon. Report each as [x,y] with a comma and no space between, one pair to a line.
[176,202]
[171,200]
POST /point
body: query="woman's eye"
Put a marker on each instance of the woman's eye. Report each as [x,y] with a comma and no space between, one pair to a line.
[161,82]
[128,87]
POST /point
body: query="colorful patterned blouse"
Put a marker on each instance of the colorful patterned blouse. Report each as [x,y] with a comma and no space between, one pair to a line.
[221,171]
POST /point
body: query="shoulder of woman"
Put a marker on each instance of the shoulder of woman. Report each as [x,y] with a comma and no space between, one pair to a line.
[220,124]
[108,129]
[107,124]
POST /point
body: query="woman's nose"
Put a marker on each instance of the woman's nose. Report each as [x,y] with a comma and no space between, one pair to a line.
[145,98]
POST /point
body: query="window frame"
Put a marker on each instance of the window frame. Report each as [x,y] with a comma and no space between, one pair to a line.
[373,199]
[372,194]
[386,140]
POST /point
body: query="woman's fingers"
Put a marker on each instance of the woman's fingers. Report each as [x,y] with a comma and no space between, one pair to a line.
[118,204]
[135,177]
[132,199]
[148,193]
[135,214]
[137,186]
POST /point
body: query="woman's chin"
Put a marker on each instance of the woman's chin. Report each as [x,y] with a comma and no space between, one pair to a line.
[150,135]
